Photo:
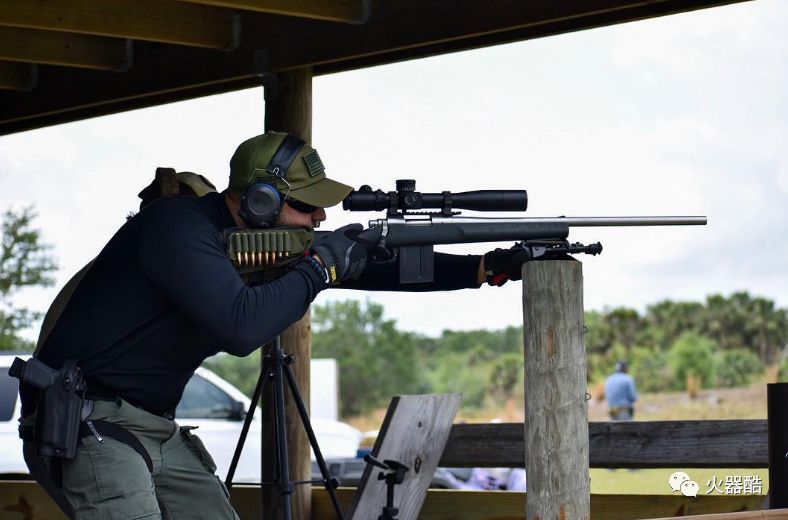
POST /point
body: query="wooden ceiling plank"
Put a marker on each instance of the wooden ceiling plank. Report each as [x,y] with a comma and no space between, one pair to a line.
[397,31]
[152,20]
[395,27]
[17,76]
[346,11]
[69,50]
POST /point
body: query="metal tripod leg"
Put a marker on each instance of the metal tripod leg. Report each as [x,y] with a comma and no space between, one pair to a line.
[328,483]
[285,484]
[258,389]
[276,363]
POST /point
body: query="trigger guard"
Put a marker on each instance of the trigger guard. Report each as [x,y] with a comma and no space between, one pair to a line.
[384,255]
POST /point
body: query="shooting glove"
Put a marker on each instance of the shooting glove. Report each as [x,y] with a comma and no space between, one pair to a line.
[343,257]
[501,265]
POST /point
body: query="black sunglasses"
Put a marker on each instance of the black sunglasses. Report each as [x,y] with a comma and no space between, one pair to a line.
[303,207]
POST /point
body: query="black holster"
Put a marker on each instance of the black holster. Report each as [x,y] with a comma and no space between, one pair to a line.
[58,404]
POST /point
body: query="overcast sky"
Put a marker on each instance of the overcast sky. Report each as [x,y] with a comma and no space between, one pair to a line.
[682,115]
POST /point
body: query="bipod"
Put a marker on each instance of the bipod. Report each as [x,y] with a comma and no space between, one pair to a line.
[393,473]
[276,368]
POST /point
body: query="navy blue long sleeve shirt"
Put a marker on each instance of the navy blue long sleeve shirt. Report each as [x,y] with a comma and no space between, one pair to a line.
[162,296]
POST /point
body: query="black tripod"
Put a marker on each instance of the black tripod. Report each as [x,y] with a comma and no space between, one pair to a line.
[276,366]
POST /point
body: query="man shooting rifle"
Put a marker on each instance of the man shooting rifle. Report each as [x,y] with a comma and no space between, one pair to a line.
[164,294]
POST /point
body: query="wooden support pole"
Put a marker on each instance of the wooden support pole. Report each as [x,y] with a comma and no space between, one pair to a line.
[556,412]
[288,108]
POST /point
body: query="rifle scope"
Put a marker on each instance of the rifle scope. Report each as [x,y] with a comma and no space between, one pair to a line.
[407,198]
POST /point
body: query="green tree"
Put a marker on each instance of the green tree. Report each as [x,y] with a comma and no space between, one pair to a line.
[692,354]
[767,328]
[727,319]
[454,373]
[736,367]
[665,321]
[484,344]
[600,336]
[505,375]
[24,262]
[241,372]
[376,360]
[743,321]
[649,367]
[624,324]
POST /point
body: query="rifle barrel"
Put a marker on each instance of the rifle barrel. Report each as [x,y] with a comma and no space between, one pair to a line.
[578,221]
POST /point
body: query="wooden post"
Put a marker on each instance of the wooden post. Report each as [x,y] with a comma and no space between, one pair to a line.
[556,411]
[288,108]
[777,430]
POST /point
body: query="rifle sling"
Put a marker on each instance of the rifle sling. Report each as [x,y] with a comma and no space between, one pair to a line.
[118,433]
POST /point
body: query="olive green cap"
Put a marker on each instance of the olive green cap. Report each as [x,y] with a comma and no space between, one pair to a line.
[306,179]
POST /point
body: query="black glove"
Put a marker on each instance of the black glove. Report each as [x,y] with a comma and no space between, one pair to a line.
[343,257]
[505,264]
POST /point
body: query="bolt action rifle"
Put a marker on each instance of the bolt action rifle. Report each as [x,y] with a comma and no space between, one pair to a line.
[409,235]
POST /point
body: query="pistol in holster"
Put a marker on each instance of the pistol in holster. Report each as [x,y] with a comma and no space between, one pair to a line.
[59,404]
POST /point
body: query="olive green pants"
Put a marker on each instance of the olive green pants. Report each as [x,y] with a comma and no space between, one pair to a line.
[108,480]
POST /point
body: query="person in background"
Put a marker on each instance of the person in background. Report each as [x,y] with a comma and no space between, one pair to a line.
[621,394]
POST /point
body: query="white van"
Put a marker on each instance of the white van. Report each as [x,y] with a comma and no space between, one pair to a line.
[209,402]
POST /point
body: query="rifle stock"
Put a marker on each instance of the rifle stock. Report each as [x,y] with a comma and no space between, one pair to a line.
[409,238]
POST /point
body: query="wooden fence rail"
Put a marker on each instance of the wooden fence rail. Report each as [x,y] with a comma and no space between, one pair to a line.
[647,444]
[652,444]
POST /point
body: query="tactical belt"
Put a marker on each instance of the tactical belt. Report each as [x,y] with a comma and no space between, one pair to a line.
[614,410]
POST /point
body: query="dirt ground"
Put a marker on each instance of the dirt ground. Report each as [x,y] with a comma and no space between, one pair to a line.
[716,403]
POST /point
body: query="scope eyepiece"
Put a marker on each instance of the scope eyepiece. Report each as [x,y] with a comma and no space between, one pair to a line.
[406,198]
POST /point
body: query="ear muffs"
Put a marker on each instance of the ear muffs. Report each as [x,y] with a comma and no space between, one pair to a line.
[260,205]
[261,202]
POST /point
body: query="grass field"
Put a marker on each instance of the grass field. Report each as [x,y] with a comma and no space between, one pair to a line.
[719,403]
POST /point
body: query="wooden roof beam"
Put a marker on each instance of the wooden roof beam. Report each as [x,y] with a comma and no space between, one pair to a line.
[407,29]
[69,50]
[395,31]
[151,20]
[347,11]
[17,76]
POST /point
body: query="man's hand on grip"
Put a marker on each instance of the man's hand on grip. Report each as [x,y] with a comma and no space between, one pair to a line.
[501,265]
[343,257]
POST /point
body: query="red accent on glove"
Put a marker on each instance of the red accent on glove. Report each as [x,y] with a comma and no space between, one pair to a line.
[499,279]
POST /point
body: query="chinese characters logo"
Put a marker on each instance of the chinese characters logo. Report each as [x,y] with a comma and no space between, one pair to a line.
[729,485]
